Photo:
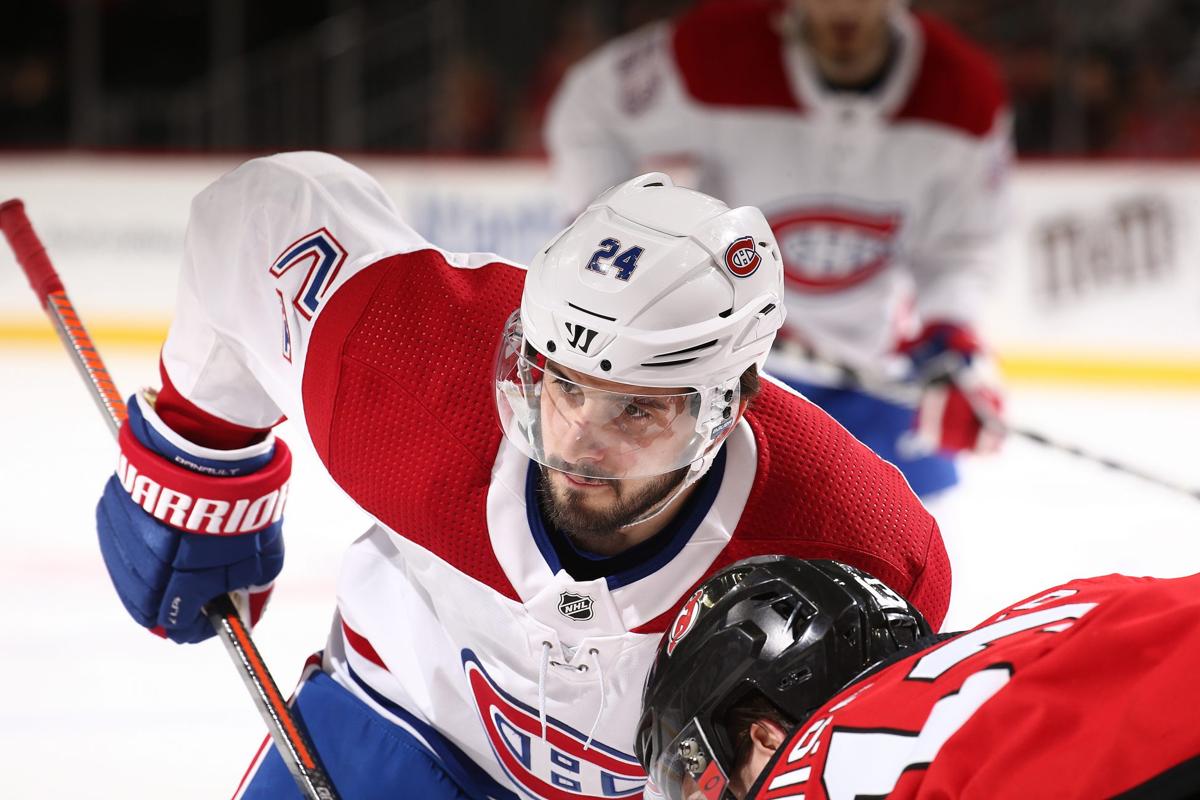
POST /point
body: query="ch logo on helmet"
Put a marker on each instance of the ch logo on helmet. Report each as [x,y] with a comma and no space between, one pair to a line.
[575,606]
[741,258]
[580,337]
[685,621]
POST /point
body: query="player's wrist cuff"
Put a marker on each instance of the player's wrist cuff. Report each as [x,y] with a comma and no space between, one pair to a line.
[195,502]
[155,434]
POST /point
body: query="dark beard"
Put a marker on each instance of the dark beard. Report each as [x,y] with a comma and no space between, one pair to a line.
[585,527]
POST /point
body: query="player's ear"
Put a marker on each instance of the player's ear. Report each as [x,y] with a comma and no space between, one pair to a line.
[766,735]
[745,401]
[749,384]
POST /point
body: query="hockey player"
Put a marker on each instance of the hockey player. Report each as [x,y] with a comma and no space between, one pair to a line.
[494,628]
[788,679]
[876,142]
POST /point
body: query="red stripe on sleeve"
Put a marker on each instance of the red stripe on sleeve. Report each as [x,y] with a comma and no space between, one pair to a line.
[197,425]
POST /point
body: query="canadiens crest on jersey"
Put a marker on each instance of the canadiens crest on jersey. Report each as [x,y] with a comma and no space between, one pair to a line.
[575,606]
[831,247]
[556,766]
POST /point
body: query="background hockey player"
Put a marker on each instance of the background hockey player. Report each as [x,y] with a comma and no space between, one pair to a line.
[494,628]
[876,142]
[814,679]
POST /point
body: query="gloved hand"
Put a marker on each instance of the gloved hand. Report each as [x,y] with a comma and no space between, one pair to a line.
[180,524]
[961,401]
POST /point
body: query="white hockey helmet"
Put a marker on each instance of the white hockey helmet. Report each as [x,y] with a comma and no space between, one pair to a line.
[654,286]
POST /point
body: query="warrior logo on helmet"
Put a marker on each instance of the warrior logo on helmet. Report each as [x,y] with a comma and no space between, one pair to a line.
[741,258]
[686,620]
[580,337]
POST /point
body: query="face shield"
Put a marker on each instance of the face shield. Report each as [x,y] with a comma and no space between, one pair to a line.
[600,429]
[686,767]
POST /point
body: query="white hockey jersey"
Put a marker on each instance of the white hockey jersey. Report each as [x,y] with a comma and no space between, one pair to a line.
[876,199]
[304,294]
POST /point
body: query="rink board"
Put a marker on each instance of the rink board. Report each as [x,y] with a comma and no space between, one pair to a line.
[1098,280]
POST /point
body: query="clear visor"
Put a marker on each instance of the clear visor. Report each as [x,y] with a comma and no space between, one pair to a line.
[685,769]
[564,422]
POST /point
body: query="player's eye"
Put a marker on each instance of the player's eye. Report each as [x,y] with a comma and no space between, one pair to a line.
[636,412]
[565,388]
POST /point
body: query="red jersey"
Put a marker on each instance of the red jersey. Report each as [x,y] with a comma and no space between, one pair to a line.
[1087,690]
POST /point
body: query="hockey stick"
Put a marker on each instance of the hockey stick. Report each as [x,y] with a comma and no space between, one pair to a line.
[289,738]
[847,376]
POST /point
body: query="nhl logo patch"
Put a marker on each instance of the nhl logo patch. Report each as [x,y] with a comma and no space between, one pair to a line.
[575,606]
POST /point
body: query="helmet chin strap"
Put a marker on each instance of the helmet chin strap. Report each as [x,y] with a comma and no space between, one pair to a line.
[696,471]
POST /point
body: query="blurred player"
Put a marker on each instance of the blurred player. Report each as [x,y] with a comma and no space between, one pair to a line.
[876,142]
[494,628]
[811,679]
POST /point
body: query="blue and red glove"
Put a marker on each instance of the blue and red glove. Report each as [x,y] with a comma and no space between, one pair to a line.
[961,402]
[180,524]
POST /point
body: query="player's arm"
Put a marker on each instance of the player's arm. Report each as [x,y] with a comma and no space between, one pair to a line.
[195,507]
[614,110]
[954,261]
[930,590]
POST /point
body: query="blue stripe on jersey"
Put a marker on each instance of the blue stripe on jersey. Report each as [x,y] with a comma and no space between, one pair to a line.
[151,438]
[640,560]
[473,778]
[533,515]
[679,531]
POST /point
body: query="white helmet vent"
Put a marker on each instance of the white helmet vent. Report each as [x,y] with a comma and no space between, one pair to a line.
[593,313]
[657,362]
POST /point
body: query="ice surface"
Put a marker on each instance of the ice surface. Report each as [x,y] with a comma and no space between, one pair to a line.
[92,706]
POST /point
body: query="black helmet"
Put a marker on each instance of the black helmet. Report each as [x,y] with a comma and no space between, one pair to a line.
[793,631]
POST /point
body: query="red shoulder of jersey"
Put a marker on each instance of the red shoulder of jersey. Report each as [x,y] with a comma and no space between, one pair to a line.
[1086,690]
[397,396]
[819,493]
[957,85]
[728,53]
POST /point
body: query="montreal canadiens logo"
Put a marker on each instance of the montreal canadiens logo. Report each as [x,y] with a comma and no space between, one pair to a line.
[831,248]
[686,620]
[741,258]
[555,767]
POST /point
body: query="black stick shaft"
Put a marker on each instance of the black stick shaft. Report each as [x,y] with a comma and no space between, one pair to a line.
[852,377]
[290,739]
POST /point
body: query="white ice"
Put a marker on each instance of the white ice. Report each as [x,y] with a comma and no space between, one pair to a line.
[92,706]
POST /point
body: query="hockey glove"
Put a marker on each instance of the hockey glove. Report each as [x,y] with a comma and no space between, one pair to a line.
[961,402]
[180,524]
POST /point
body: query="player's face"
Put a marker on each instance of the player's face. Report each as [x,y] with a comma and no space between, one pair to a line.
[843,30]
[602,429]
